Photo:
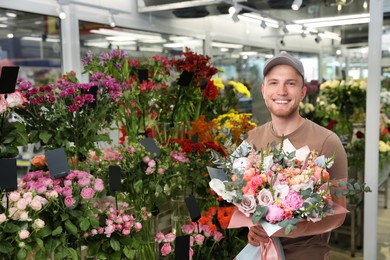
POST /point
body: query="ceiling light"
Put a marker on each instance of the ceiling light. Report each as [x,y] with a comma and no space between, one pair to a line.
[335,21]
[338,52]
[3,25]
[10,35]
[365,5]
[251,17]
[248,53]
[296,5]
[339,7]
[9,14]
[61,13]
[226,45]
[111,21]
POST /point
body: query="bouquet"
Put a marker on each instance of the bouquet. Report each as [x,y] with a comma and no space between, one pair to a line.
[278,187]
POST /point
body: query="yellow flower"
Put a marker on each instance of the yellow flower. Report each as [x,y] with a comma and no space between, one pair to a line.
[218,83]
[336,83]
[240,88]
[384,147]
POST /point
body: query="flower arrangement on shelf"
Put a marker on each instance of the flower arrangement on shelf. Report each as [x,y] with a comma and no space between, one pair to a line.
[12,132]
[70,114]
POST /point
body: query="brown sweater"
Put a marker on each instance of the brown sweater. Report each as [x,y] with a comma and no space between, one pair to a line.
[310,240]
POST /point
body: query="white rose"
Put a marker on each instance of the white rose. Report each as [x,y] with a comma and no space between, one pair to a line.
[265,197]
[247,205]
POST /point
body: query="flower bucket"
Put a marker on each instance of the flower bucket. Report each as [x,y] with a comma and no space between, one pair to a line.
[180,214]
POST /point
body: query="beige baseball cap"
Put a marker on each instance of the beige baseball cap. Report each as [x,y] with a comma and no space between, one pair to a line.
[284,58]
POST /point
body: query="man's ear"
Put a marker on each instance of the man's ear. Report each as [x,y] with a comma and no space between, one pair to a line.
[304,90]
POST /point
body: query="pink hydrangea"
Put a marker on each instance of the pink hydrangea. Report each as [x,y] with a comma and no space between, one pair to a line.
[293,200]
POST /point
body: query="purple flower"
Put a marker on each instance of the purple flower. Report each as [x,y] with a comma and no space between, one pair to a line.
[87,59]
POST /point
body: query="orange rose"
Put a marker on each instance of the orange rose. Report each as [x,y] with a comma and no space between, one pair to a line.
[39,161]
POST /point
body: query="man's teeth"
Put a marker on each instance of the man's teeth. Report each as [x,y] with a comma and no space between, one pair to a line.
[281,101]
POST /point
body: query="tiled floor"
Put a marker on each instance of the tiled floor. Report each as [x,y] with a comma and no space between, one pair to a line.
[341,251]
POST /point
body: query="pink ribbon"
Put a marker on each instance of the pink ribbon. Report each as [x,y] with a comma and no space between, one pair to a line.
[270,251]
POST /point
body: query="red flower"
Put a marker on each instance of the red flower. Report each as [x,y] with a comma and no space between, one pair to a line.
[211,91]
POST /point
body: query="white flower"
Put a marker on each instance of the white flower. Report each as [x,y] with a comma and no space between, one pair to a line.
[219,188]
[240,163]
[247,205]
[265,197]
[268,162]
[302,186]
[281,191]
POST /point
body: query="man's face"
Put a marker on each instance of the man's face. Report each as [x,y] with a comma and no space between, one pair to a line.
[283,90]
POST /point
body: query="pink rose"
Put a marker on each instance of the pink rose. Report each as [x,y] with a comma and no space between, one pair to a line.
[67,191]
[16,99]
[38,224]
[318,171]
[152,163]
[98,184]
[69,201]
[170,237]
[218,236]
[126,231]
[199,239]
[160,171]
[94,231]
[275,214]
[108,230]
[3,104]
[52,194]
[293,200]
[138,226]
[14,196]
[207,231]
[87,193]
[149,170]
[23,234]
[166,249]
[23,216]
[146,159]
[84,182]
[21,204]
[36,204]
[159,237]
[187,229]
[247,205]
[3,218]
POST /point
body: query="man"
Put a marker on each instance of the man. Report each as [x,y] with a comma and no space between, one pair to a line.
[283,89]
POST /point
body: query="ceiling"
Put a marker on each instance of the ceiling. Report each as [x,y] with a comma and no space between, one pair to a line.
[352,35]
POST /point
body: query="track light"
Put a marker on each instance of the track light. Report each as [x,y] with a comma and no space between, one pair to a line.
[263,24]
[282,42]
[317,39]
[285,30]
[234,11]
[296,5]
[61,13]
[111,20]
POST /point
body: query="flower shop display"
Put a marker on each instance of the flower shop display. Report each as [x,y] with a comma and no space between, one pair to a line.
[70,114]
[176,102]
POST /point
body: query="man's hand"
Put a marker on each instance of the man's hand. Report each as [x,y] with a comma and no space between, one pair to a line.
[256,235]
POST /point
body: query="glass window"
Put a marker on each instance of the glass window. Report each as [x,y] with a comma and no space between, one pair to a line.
[31,41]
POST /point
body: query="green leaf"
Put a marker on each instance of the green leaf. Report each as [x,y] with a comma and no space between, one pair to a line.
[45,136]
[115,245]
[129,253]
[85,224]
[22,254]
[6,247]
[39,243]
[56,231]
[138,186]
[72,253]
[44,232]
[69,226]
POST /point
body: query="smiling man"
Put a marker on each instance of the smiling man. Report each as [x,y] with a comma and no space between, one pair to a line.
[283,89]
